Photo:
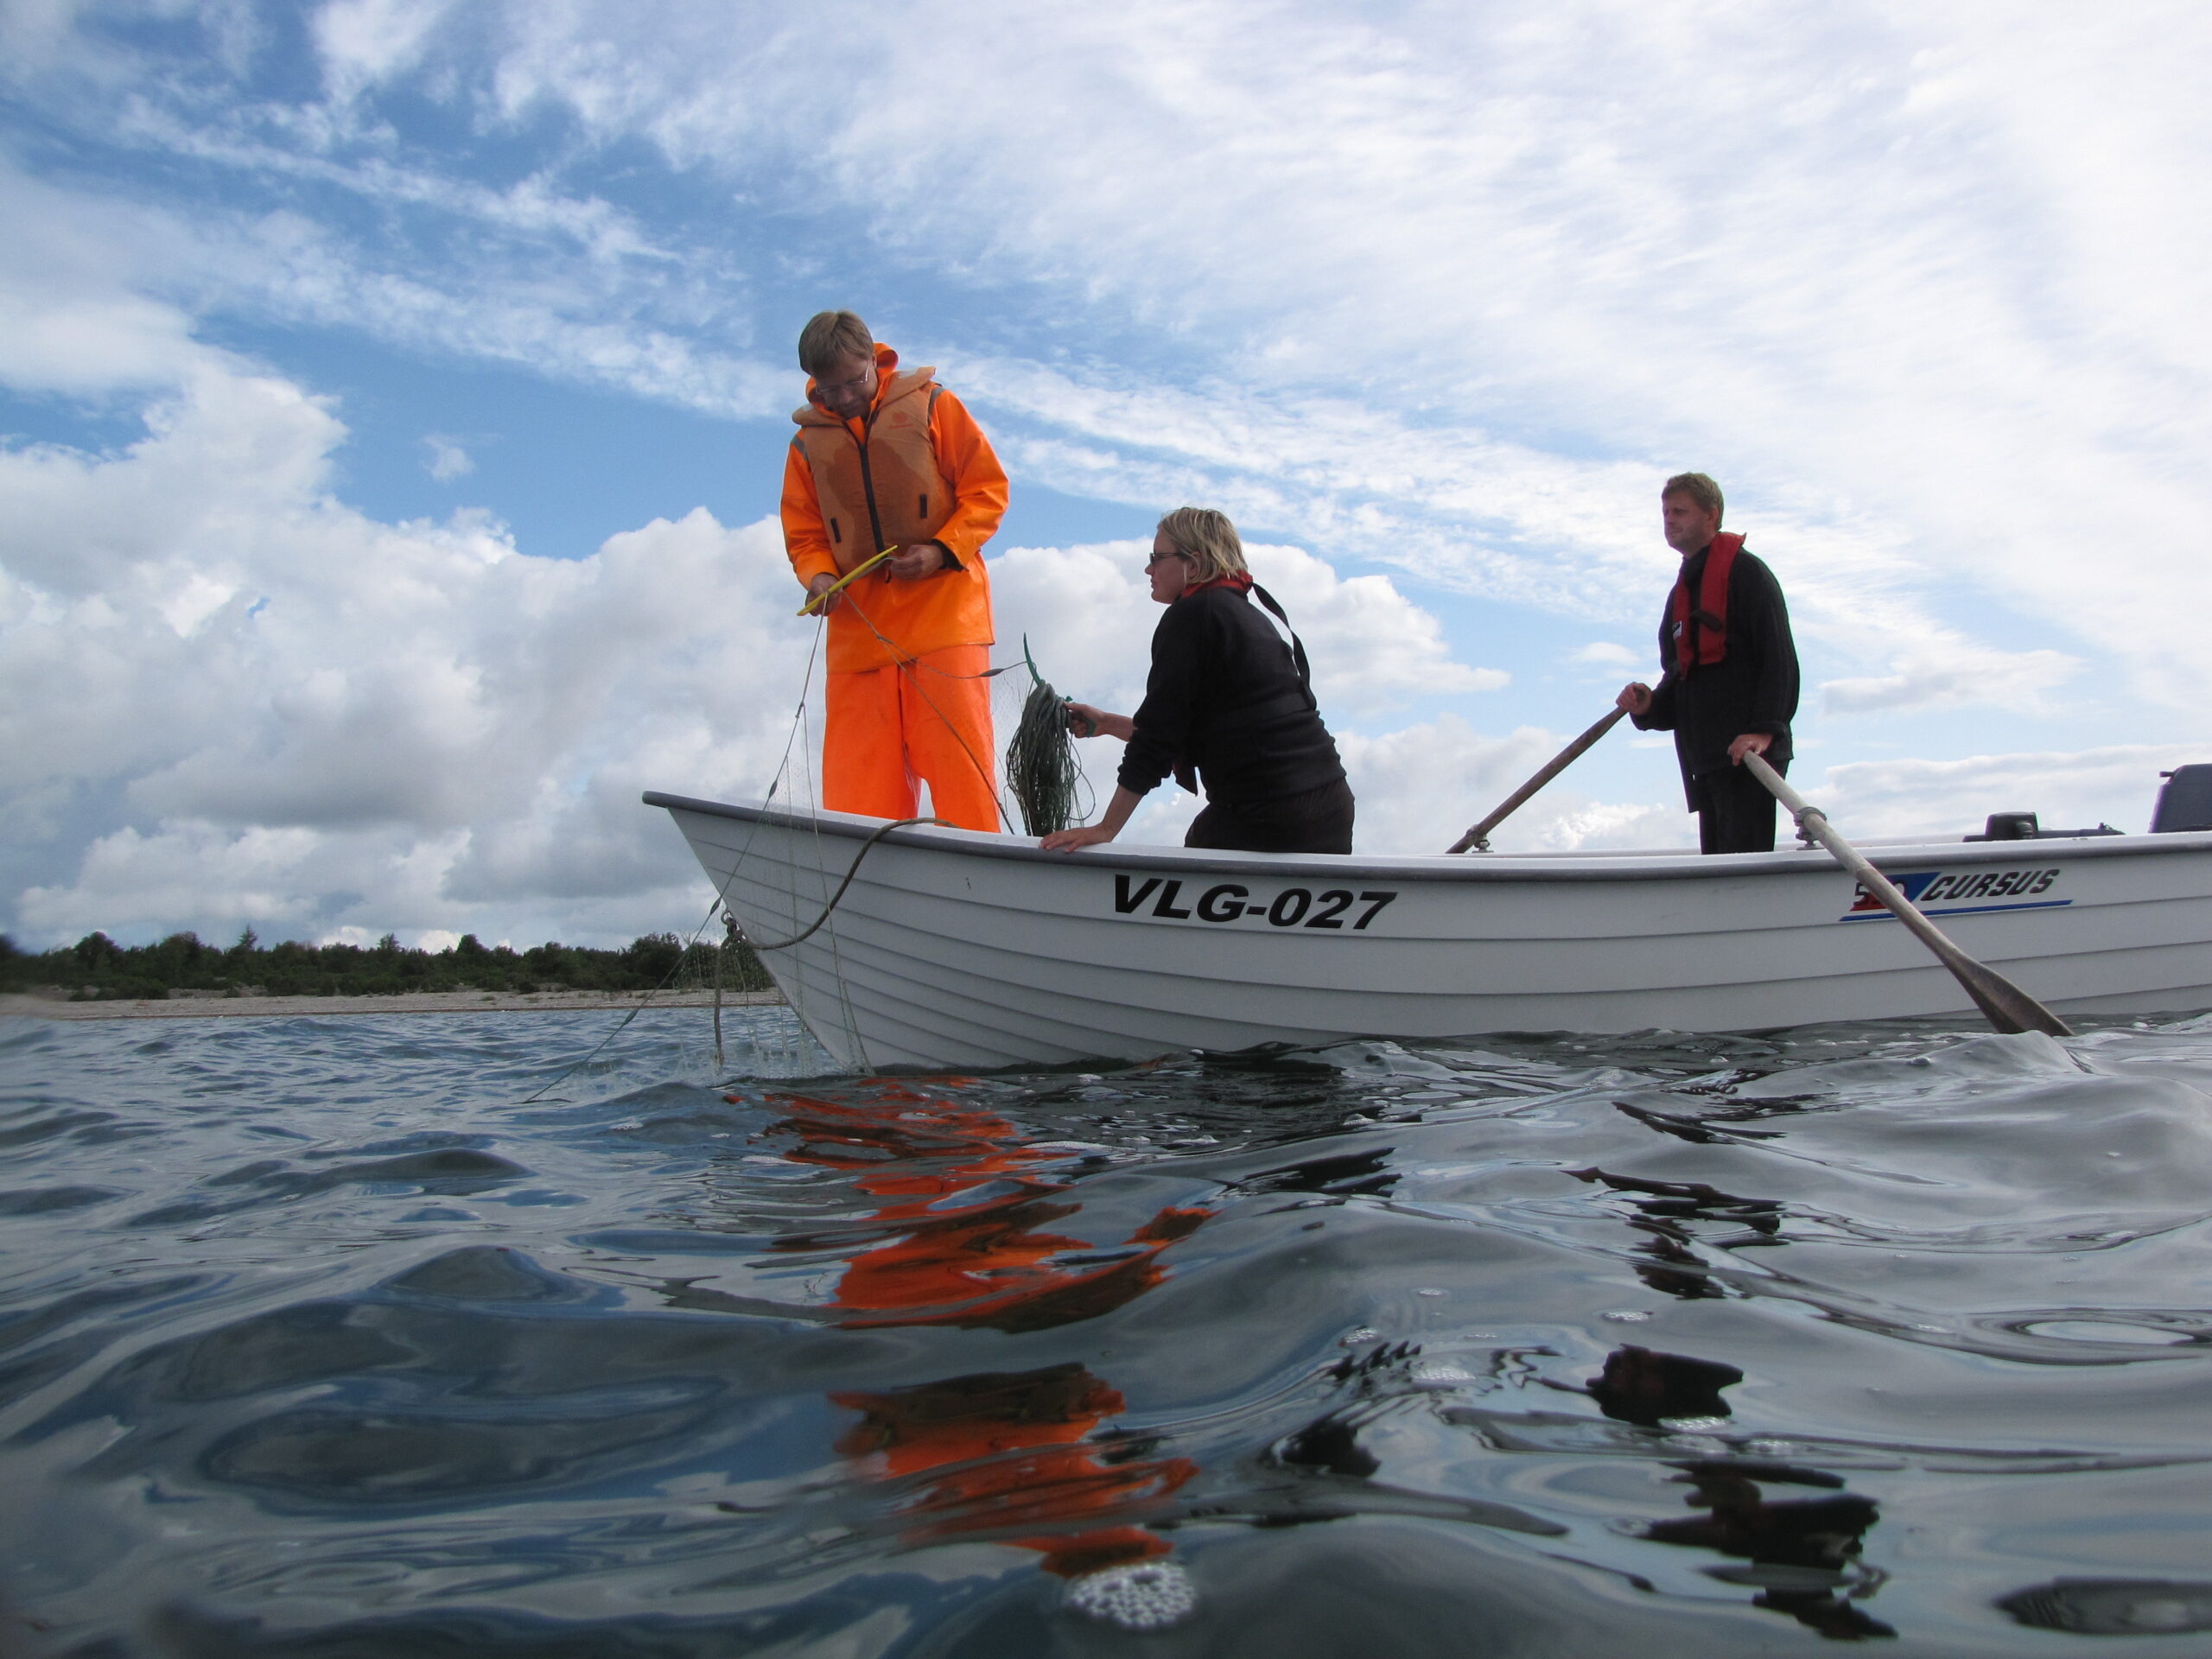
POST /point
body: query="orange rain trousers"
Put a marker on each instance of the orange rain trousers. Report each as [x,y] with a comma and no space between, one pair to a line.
[884,728]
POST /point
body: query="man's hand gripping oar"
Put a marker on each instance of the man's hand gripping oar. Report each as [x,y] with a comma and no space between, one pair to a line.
[2007,1007]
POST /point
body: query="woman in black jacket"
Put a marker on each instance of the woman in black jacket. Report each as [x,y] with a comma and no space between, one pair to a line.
[1229,701]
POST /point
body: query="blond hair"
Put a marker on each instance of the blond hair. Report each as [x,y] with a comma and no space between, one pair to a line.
[831,338]
[1703,492]
[1207,539]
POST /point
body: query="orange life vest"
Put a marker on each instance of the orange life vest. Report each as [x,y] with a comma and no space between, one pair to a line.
[885,491]
[1700,632]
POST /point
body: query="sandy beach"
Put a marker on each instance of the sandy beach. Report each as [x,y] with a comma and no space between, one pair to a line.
[204,1007]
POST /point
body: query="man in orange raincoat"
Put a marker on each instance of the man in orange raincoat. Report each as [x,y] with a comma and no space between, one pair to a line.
[885,457]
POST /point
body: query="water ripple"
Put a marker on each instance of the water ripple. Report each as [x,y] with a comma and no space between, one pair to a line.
[323,1335]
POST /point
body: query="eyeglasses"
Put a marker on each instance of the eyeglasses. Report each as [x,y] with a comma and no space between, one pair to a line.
[1157,557]
[851,383]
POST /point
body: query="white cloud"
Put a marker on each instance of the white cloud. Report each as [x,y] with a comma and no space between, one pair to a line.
[448,460]
[1368,645]
[1442,290]
[1420,788]
[1955,673]
[1447,290]
[362,41]
[1604,654]
[1868,267]
[76,324]
[311,721]
[2116,784]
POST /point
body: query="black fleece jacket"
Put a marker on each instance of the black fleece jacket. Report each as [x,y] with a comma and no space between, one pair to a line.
[1227,696]
[1753,688]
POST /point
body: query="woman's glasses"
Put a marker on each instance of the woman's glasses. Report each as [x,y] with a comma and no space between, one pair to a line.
[1157,557]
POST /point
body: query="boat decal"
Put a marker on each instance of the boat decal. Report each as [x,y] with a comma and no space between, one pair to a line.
[1961,893]
[1331,909]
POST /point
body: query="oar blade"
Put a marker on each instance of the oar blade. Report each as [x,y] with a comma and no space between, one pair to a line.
[2007,1007]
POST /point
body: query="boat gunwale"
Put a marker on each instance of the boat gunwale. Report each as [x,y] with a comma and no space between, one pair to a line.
[1659,865]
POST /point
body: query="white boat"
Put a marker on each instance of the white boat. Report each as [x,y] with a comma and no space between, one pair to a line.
[955,950]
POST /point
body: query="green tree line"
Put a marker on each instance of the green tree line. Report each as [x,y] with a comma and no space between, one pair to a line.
[97,967]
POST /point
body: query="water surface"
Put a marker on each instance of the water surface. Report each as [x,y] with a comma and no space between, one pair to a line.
[318,1336]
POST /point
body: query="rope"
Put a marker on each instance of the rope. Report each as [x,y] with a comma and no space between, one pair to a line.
[867,847]
[682,957]
[1044,781]
[798,716]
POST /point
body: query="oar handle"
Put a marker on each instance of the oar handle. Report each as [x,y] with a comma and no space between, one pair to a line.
[1478,837]
[2007,1007]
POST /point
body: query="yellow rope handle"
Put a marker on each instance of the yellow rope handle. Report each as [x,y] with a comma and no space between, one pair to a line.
[814,601]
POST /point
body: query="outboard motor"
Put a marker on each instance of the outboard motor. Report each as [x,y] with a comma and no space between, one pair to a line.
[2009,826]
[2184,801]
[2022,826]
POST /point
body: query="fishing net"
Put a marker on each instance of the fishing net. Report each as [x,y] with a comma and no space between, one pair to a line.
[1044,778]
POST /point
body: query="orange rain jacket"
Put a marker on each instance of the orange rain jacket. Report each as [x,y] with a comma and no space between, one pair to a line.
[916,469]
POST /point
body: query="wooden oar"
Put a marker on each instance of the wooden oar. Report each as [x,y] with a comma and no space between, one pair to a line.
[816,601]
[1478,837]
[2007,1007]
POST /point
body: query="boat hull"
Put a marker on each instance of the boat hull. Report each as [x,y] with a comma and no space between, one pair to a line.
[953,948]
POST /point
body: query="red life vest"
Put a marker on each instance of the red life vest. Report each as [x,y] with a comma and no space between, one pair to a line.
[1701,635]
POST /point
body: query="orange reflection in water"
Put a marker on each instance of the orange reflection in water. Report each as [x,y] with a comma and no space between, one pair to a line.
[963,1214]
[963,1211]
[1008,1451]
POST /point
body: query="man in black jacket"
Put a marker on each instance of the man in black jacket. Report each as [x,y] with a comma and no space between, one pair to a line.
[1729,684]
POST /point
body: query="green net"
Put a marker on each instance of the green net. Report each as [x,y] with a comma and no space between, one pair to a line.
[1043,779]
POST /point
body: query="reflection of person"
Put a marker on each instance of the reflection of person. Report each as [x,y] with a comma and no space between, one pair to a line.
[1805,1551]
[1229,700]
[887,458]
[1729,686]
[960,1236]
[999,1454]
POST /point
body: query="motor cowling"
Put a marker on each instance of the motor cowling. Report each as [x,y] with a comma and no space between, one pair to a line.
[2184,801]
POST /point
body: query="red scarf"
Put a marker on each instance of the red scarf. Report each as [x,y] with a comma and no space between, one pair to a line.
[1237,582]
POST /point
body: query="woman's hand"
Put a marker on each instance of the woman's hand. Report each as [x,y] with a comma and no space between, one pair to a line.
[1068,841]
[1090,834]
[1086,721]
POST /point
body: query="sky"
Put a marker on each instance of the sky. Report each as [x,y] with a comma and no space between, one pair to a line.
[394,394]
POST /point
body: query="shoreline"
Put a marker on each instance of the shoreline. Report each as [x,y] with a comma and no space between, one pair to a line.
[232,1008]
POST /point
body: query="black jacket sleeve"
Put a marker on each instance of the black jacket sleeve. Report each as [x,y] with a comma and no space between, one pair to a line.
[1171,695]
[1659,718]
